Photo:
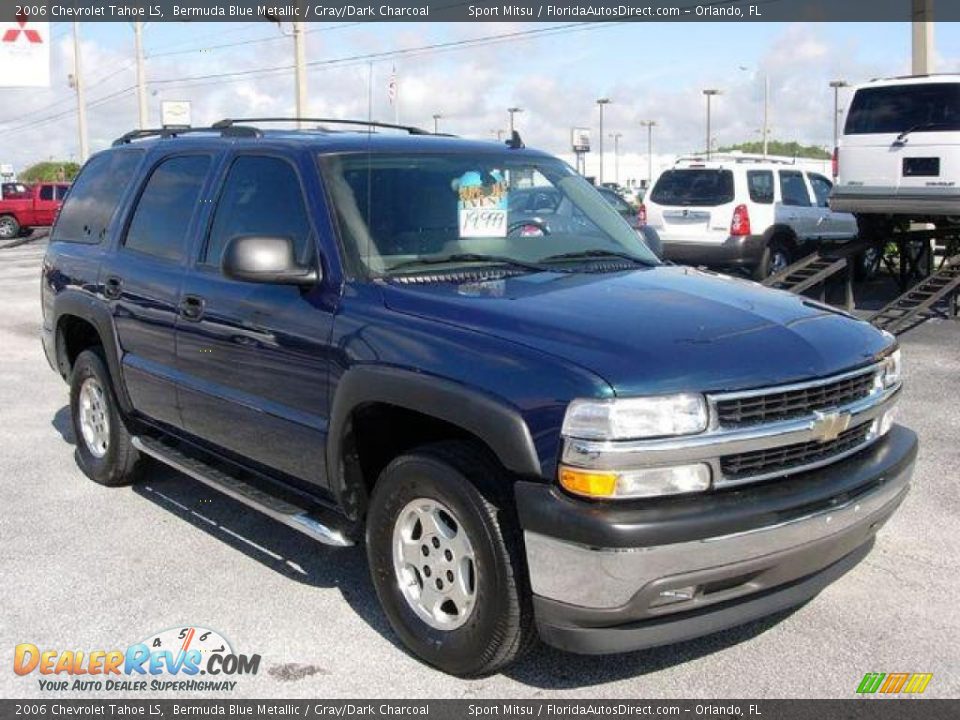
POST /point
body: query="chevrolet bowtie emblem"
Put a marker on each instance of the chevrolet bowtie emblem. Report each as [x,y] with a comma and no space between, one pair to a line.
[828,426]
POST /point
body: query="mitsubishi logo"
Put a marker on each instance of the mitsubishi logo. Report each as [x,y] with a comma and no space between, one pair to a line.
[12,34]
[828,426]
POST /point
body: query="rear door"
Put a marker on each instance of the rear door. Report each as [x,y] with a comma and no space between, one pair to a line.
[254,357]
[692,204]
[796,207]
[902,137]
[141,281]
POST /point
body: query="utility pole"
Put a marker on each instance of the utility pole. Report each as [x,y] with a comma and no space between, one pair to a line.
[81,102]
[513,111]
[141,74]
[922,15]
[709,93]
[601,102]
[836,85]
[616,156]
[649,125]
[766,112]
[300,72]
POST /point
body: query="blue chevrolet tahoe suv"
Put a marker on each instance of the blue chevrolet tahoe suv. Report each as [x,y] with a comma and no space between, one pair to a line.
[535,427]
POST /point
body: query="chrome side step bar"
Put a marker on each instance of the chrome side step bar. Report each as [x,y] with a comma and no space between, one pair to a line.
[280,510]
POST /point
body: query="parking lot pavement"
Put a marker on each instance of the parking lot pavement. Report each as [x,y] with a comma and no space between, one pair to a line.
[88,567]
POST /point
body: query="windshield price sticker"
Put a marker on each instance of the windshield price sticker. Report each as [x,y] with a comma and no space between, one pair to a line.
[483,222]
[482,204]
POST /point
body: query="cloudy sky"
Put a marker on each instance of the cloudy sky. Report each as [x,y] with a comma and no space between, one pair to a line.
[555,72]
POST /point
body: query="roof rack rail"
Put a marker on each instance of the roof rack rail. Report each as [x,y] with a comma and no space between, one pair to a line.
[735,157]
[168,132]
[231,122]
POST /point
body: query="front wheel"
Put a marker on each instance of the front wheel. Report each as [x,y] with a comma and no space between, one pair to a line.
[446,559]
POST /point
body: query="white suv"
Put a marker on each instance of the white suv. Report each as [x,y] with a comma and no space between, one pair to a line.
[742,211]
[898,160]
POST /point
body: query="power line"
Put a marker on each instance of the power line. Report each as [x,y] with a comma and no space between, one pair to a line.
[190,81]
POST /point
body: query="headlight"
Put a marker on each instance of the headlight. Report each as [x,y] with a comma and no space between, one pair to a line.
[890,372]
[645,482]
[635,418]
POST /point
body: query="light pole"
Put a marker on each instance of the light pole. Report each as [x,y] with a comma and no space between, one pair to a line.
[710,92]
[436,123]
[78,86]
[836,85]
[616,156]
[649,125]
[141,74]
[601,102]
[300,69]
[513,111]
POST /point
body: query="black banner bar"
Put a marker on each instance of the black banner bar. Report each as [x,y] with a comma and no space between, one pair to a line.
[475,10]
[872,709]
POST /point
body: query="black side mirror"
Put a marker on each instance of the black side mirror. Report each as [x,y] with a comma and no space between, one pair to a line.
[259,259]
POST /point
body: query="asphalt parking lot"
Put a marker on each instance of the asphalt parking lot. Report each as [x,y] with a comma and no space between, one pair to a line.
[88,567]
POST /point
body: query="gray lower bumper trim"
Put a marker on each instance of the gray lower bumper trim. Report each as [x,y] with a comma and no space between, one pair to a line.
[672,629]
[603,578]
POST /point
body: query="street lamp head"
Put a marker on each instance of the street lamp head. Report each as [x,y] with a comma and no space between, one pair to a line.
[712,91]
[648,123]
[512,110]
[604,101]
[839,84]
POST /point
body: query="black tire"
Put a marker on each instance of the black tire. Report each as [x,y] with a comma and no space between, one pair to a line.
[466,479]
[9,227]
[866,264]
[117,463]
[776,255]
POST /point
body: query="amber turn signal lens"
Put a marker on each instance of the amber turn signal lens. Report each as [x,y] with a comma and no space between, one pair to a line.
[586,482]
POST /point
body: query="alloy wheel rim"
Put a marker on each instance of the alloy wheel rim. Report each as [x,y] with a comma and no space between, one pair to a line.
[778,263]
[94,417]
[6,228]
[435,564]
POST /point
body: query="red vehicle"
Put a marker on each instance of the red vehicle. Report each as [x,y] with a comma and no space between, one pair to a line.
[38,208]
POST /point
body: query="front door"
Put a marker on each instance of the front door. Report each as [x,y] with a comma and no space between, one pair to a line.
[254,357]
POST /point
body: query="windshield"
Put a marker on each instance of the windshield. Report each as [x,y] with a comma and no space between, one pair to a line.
[403,214]
[693,187]
[927,107]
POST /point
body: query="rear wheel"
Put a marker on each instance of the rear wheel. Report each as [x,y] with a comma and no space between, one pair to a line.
[446,559]
[104,445]
[9,227]
[776,257]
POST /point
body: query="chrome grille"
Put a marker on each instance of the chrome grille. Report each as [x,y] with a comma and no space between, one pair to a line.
[765,407]
[782,459]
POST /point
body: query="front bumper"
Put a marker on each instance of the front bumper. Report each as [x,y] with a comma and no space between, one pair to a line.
[612,578]
[733,251]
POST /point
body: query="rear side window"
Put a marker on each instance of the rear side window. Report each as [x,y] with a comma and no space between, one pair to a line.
[793,189]
[162,218]
[62,191]
[821,188]
[693,187]
[261,196]
[46,192]
[760,186]
[930,107]
[86,214]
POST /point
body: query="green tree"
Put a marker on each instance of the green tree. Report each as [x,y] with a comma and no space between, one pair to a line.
[781,148]
[50,171]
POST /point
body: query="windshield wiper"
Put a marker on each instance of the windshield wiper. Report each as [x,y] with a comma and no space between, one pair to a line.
[595,254]
[922,126]
[472,258]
